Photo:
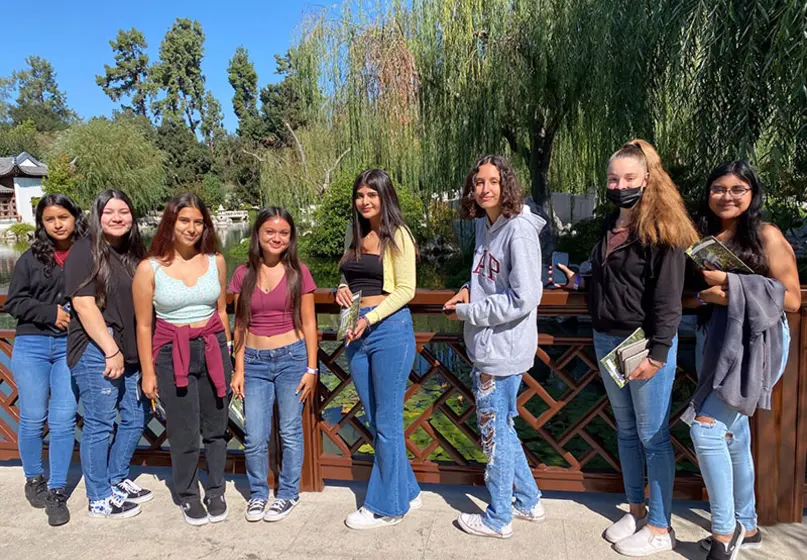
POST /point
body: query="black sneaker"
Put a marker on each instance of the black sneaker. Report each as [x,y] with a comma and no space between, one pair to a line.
[56,507]
[195,513]
[112,508]
[133,493]
[280,509]
[729,550]
[35,491]
[749,543]
[216,508]
[256,508]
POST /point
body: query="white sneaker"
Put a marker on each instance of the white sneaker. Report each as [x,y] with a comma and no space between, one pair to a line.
[416,502]
[645,542]
[537,514]
[624,528]
[472,524]
[363,518]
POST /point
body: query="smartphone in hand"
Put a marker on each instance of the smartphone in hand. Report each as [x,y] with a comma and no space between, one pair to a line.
[558,276]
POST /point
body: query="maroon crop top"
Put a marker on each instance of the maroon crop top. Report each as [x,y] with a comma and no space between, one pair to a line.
[271,313]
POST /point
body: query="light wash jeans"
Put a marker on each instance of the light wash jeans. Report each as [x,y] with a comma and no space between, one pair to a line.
[507,474]
[103,465]
[47,393]
[724,452]
[642,412]
[380,363]
[273,376]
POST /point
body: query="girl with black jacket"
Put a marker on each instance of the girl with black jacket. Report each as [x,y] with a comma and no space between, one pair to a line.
[36,298]
[637,280]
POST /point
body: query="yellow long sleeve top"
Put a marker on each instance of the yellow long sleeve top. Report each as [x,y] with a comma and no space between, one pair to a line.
[400,275]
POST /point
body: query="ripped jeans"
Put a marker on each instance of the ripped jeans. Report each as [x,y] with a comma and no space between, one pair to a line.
[507,473]
[105,458]
[724,452]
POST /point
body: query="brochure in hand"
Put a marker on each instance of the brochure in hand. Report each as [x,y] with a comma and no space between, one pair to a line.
[237,410]
[711,251]
[625,358]
[349,317]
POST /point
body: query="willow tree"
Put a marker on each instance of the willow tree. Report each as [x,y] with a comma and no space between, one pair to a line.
[742,92]
[427,87]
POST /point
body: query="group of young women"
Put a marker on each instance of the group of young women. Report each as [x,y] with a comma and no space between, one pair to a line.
[104,321]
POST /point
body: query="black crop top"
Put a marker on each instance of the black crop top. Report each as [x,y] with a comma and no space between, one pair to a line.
[365,274]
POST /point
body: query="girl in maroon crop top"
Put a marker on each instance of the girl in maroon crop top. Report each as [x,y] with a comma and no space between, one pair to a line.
[275,356]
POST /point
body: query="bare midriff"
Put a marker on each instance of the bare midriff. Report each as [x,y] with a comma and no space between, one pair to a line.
[259,342]
[372,301]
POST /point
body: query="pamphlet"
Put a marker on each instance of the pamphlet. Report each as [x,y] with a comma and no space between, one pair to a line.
[711,251]
[349,318]
[615,361]
[237,410]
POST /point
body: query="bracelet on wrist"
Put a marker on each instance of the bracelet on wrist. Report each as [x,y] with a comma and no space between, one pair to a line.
[577,279]
[700,301]
[312,371]
[113,355]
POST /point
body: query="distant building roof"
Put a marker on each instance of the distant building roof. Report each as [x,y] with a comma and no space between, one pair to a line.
[23,165]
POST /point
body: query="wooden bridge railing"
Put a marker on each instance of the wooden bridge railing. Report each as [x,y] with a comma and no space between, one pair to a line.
[566,423]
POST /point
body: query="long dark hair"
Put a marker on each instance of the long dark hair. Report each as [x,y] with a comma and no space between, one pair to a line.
[43,246]
[510,194]
[131,250]
[291,262]
[391,216]
[162,246]
[747,241]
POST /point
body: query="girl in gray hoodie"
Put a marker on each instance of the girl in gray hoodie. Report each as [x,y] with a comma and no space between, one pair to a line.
[498,307]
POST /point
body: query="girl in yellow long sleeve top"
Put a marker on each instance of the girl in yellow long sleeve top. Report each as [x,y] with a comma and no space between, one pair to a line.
[380,261]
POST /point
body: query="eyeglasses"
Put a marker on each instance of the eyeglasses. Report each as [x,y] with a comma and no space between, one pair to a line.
[735,192]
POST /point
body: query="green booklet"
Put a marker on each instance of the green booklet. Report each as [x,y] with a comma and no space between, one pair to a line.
[711,251]
[349,317]
[615,366]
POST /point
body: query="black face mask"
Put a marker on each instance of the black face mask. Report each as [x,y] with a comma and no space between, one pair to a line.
[624,198]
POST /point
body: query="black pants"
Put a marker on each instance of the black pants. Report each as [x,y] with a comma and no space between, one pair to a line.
[194,410]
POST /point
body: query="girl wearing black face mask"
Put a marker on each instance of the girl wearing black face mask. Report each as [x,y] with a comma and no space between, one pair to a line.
[637,279]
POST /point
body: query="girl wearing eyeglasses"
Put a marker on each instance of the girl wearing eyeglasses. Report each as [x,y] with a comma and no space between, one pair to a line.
[731,210]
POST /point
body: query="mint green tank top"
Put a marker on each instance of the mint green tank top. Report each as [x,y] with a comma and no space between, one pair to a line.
[179,304]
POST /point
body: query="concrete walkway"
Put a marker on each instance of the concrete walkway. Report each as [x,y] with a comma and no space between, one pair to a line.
[315,530]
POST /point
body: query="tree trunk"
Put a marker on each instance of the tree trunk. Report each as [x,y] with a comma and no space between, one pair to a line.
[541,141]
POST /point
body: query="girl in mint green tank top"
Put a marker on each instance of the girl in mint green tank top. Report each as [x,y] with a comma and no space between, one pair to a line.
[185,358]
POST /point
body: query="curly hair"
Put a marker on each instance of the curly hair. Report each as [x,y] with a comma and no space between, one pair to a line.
[43,246]
[660,217]
[510,196]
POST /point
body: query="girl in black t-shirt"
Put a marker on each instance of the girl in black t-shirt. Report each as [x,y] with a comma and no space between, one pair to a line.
[102,354]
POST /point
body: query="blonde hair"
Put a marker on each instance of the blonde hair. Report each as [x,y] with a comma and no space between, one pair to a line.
[660,217]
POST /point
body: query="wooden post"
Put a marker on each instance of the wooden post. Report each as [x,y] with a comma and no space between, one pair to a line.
[780,437]
[311,478]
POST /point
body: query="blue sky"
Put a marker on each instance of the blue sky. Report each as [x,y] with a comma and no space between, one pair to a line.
[75,37]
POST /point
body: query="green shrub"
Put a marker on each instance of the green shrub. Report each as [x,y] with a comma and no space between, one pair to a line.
[20,230]
[327,236]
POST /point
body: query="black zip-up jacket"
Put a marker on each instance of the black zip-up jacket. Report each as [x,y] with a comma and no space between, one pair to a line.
[33,296]
[637,286]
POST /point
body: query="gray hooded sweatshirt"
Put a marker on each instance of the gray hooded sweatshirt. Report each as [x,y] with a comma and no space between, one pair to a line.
[743,350]
[501,329]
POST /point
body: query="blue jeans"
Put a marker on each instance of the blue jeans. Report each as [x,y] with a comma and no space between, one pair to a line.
[642,413]
[507,473]
[724,453]
[380,363]
[47,392]
[273,376]
[104,466]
